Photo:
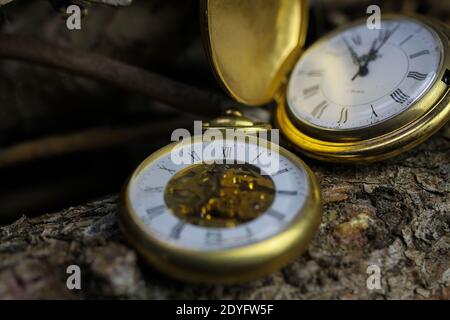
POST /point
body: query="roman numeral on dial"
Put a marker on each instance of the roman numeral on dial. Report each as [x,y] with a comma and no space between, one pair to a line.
[281,171]
[343,117]
[311,91]
[373,112]
[226,152]
[314,73]
[213,237]
[319,109]
[154,189]
[399,96]
[155,211]
[276,214]
[417,75]
[418,54]
[164,168]
[406,39]
[311,73]
[195,156]
[175,233]
[287,192]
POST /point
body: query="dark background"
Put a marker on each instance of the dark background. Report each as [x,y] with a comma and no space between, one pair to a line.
[38,103]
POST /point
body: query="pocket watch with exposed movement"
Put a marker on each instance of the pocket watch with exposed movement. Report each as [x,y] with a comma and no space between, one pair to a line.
[357,94]
[222,216]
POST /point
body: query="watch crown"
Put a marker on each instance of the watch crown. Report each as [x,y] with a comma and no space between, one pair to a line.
[235,119]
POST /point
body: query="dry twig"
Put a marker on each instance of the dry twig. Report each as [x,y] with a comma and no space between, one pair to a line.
[178,95]
[92,139]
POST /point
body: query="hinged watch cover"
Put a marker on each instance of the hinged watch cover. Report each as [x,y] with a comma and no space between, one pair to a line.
[252,44]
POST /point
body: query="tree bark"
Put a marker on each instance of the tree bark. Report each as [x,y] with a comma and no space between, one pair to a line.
[393,214]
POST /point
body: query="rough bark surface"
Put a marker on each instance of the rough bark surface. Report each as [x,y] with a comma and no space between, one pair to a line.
[394,214]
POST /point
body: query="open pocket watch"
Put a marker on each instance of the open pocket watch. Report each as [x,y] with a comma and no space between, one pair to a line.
[356,95]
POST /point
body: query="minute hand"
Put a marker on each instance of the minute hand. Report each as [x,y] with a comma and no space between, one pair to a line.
[355,58]
[386,37]
[373,52]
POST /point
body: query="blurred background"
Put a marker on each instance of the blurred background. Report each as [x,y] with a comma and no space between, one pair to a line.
[65,140]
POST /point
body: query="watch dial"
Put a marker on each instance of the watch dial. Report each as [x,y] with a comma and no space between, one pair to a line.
[203,206]
[361,77]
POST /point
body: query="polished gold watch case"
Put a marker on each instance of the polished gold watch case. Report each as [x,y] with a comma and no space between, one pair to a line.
[225,265]
[254,44]
[385,139]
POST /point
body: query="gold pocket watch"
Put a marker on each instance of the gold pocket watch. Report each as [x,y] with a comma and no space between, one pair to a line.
[222,216]
[357,94]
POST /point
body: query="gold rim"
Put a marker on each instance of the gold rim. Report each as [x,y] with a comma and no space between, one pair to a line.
[384,140]
[226,265]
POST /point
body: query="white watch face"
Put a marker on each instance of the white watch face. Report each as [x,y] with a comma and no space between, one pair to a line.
[217,206]
[361,77]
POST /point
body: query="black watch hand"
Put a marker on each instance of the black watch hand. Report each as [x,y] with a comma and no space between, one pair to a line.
[386,36]
[363,70]
[355,57]
[373,52]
